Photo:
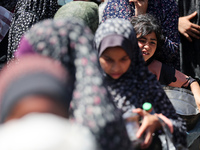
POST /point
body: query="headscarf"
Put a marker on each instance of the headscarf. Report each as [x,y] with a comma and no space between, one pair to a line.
[165,11]
[87,11]
[34,75]
[27,13]
[8,4]
[137,85]
[43,131]
[70,41]
[5,21]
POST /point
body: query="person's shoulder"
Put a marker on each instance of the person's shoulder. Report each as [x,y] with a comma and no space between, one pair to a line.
[155,67]
[155,63]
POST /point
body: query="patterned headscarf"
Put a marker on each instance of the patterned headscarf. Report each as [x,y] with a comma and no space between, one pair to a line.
[137,85]
[70,41]
[165,11]
[87,11]
[27,13]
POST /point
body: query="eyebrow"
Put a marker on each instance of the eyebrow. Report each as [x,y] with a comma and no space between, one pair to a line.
[111,58]
[146,38]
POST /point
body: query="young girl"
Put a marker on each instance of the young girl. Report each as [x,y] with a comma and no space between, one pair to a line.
[129,81]
[150,40]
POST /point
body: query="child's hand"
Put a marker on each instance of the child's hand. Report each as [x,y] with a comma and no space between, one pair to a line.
[150,123]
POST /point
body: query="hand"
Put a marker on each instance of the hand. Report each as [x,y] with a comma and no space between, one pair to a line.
[187,28]
[150,123]
[140,6]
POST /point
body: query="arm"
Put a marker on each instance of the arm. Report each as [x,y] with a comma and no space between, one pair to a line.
[187,28]
[182,81]
[196,92]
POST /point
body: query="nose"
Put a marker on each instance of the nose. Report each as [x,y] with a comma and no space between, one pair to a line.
[116,67]
[147,46]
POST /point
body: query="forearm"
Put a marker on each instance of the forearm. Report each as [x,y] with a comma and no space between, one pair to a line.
[196,92]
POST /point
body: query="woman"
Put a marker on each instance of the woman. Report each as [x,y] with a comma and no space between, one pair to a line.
[26,14]
[149,40]
[87,11]
[129,81]
[165,11]
[70,42]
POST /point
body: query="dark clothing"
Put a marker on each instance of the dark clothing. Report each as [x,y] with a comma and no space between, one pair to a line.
[167,75]
[190,51]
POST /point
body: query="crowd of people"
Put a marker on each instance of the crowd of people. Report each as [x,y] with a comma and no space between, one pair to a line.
[70,70]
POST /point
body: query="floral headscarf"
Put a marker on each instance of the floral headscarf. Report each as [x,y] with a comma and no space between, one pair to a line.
[27,13]
[70,41]
[137,85]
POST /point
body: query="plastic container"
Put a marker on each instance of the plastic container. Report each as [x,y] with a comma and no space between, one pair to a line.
[132,126]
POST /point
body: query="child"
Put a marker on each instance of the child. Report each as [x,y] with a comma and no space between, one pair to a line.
[129,81]
[150,40]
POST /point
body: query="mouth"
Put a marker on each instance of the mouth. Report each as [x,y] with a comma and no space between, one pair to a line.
[145,53]
[115,75]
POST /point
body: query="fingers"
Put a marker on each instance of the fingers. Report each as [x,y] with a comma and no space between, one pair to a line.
[187,37]
[147,140]
[192,15]
[140,111]
[193,33]
[197,27]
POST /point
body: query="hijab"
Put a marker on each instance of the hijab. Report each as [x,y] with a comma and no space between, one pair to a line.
[137,85]
[34,75]
[71,42]
[27,13]
[87,11]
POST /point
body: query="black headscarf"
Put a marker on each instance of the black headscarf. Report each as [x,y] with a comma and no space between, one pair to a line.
[137,85]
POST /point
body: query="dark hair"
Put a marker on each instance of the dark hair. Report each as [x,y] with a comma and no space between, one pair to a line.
[146,24]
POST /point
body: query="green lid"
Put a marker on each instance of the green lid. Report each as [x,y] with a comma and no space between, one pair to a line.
[147,106]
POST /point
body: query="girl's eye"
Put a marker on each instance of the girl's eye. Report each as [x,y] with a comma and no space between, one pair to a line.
[153,43]
[108,60]
[142,41]
[124,59]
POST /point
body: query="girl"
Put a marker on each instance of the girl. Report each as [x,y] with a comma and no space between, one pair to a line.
[150,41]
[129,81]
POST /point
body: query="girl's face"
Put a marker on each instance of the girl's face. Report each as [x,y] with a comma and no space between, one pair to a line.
[115,62]
[148,45]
